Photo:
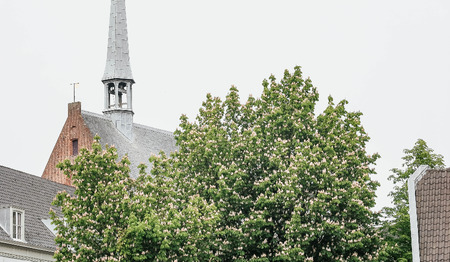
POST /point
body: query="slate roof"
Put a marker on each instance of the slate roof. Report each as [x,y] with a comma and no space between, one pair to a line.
[433,215]
[34,195]
[146,140]
[3,234]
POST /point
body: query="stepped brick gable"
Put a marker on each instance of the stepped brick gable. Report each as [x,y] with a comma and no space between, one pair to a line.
[74,133]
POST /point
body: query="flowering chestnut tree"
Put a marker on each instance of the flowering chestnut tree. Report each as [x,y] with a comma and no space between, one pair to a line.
[267,180]
[288,184]
[114,218]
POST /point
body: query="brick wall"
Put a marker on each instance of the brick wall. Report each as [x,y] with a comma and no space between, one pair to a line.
[74,129]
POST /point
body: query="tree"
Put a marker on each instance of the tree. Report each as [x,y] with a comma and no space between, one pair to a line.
[397,228]
[288,185]
[268,180]
[114,218]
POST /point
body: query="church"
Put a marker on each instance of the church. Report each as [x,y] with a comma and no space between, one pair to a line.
[115,126]
[26,233]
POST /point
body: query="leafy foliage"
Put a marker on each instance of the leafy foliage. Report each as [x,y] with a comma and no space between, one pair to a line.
[267,180]
[288,185]
[397,228]
[114,218]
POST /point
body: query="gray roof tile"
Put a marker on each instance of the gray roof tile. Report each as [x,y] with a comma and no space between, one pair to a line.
[146,140]
[33,195]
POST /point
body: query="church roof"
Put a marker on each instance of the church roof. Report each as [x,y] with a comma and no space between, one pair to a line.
[118,57]
[145,142]
[33,195]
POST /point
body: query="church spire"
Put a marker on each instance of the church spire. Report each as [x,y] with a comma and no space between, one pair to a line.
[118,79]
[118,56]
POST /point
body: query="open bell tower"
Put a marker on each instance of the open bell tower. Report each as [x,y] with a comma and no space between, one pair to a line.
[118,80]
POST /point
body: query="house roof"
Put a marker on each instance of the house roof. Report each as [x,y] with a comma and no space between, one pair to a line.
[432,213]
[145,142]
[34,195]
[3,234]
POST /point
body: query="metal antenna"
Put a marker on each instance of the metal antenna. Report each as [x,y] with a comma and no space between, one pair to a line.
[74,86]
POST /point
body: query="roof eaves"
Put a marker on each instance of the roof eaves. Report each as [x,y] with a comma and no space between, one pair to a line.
[26,245]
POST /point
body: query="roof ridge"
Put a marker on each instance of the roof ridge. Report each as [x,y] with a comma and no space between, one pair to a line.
[95,114]
[444,169]
[161,131]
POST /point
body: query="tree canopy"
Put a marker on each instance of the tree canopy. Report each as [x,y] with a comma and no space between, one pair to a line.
[114,218]
[396,229]
[266,180]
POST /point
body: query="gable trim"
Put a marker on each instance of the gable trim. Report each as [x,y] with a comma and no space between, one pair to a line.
[412,181]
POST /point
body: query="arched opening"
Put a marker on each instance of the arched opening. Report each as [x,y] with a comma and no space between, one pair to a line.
[111,95]
[123,95]
[118,95]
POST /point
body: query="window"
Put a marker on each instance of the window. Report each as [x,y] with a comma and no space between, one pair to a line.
[17,225]
[75,147]
[12,221]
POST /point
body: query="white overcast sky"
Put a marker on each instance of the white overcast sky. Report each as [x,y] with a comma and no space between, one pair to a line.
[389,59]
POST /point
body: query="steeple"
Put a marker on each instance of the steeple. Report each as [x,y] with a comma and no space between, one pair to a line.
[118,79]
[118,57]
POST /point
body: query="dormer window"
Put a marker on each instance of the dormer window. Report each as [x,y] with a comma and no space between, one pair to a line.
[12,220]
[50,226]
[17,225]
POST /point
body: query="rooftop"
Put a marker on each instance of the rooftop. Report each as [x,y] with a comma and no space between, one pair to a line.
[34,195]
[145,142]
